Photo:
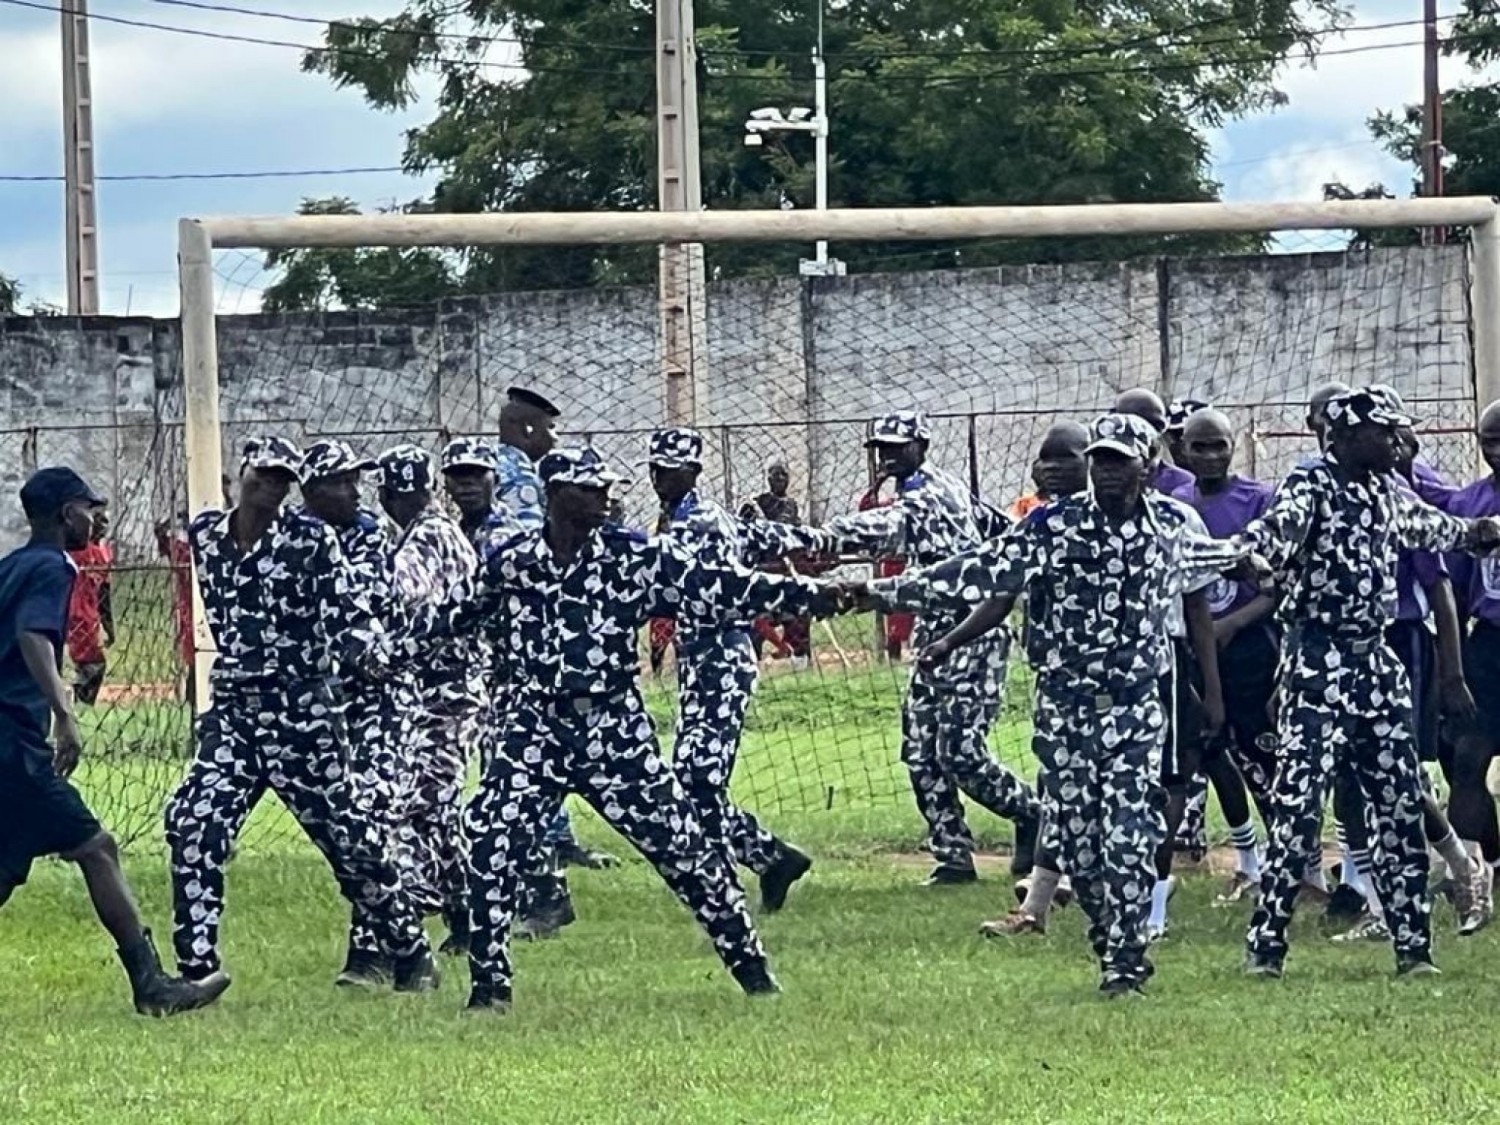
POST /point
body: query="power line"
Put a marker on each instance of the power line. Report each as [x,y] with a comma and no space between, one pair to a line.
[308,48]
[1160,67]
[457,36]
[264,175]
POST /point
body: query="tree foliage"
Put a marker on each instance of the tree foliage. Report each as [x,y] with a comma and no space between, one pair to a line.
[550,105]
[1470,120]
[10,295]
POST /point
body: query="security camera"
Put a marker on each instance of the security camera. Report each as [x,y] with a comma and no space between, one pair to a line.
[765,113]
[753,140]
[801,113]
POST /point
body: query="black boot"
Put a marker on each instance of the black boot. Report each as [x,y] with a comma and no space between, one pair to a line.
[790,866]
[157,994]
[484,999]
[1024,858]
[456,944]
[756,979]
[363,969]
[417,972]
[945,876]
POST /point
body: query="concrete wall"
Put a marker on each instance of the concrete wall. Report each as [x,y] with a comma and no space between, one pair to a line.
[795,369]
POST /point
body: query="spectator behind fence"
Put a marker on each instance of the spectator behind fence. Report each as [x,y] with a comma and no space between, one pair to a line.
[172,545]
[788,635]
[91,619]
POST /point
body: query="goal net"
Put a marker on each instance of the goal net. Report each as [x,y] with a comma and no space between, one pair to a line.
[789,371]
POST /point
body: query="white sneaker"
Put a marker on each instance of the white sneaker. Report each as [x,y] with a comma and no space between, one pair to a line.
[1157,934]
[799,662]
[1368,928]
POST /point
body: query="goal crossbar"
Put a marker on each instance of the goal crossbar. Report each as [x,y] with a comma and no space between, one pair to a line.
[880,224]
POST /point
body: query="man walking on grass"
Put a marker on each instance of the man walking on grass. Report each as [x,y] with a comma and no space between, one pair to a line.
[41,813]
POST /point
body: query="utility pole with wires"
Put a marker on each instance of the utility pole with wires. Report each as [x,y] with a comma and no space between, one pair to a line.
[681,298]
[1432,116]
[80,212]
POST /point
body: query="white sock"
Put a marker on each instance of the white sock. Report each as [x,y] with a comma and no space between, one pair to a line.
[1039,895]
[1159,901]
[1454,854]
[1246,859]
[1350,874]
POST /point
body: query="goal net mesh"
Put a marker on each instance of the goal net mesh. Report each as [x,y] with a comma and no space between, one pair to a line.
[791,372]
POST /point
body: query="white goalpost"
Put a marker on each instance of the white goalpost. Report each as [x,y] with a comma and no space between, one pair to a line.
[200,238]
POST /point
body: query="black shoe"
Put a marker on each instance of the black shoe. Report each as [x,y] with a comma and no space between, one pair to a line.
[364,970]
[756,979]
[1344,905]
[945,876]
[1266,968]
[155,993]
[1024,857]
[574,854]
[547,920]
[483,999]
[417,972]
[1416,967]
[777,880]
[1122,990]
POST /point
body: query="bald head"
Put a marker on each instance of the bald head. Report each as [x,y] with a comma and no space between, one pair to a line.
[1208,447]
[1061,468]
[1145,404]
[1489,437]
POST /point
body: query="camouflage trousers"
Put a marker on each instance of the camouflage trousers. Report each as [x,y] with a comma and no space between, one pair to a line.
[292,743]
[1346,711]
[1105,811]
[428,832]
[944,745]
[603,749]
[379,724]
[715,683]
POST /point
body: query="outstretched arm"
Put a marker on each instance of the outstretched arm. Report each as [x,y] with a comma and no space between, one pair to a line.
[995,569]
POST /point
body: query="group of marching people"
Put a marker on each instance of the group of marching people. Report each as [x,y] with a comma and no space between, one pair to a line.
[1182,622]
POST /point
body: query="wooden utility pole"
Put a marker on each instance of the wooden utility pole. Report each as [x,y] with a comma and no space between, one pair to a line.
[82,251]
[1432,115]
[679,188]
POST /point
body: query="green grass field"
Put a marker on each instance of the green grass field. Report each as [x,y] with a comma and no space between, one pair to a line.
[894,1011]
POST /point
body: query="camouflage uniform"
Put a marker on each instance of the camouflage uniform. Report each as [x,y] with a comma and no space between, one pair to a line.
[279,614]
[579,724]
[949,709]
[1098,596]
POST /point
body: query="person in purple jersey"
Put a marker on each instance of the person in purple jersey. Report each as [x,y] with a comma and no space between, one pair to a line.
[1476,742]
[1147,404]
[1248,643]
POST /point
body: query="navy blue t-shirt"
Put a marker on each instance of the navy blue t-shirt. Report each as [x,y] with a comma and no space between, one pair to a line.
[36,582]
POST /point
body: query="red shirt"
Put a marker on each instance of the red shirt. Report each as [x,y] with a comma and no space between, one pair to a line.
[85,629]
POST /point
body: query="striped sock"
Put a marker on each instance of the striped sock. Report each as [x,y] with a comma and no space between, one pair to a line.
[1246,860]
[1359,863]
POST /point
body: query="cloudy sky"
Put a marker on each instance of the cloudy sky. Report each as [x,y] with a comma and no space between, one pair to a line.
[172,103]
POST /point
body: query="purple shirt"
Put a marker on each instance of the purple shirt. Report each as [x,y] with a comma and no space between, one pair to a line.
[1416,573]
[1169,478]
[1477,579]
[1228,512]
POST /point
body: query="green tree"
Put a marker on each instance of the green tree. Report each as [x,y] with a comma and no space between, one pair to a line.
[1471,125]
[936,102]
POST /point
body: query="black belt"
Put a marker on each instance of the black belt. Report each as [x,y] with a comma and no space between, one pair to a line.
[1359,644]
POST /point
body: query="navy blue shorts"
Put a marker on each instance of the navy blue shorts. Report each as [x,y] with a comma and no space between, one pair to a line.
[40,813]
